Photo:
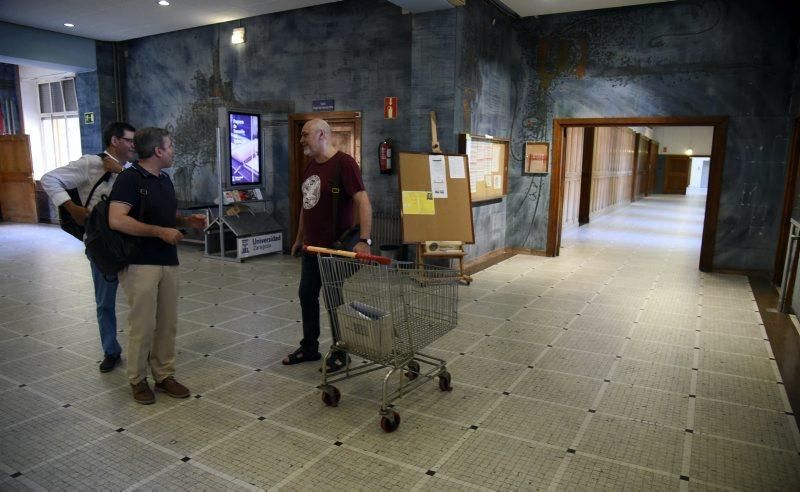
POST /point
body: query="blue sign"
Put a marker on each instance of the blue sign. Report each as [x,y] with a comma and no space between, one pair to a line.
[323,105]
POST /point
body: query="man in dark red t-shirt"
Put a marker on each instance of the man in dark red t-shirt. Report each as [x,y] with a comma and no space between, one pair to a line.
[319,227]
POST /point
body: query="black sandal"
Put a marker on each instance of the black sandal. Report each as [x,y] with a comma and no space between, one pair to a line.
[298,356]
[336,363]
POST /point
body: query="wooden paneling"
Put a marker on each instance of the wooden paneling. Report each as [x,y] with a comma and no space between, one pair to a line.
[789,193]
[612,168]
[573,166]
[642,167]
[17,191]
[652,163]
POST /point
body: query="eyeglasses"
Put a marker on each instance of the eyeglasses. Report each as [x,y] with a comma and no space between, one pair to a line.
[129,140]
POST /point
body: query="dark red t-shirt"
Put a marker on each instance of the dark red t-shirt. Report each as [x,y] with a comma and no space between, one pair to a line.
[317,198]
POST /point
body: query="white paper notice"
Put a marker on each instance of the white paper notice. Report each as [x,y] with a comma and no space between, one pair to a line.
[438,176]
[456,167]
[497,183]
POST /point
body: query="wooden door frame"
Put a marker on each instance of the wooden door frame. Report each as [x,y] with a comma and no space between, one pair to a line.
[792,171]
[718,143]
[296,162]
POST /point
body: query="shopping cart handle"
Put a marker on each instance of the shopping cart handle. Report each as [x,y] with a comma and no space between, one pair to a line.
[348,254]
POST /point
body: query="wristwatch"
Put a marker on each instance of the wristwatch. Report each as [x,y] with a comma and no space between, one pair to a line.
[367,240]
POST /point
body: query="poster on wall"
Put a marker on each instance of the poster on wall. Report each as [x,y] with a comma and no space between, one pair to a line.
[245,161]
[536,157]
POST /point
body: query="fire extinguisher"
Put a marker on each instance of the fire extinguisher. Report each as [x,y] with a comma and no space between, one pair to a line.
[385,156]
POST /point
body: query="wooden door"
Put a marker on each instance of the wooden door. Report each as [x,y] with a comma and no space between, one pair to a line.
[345,136]
[17,191]
[572,176]
[676,174]
[652,165]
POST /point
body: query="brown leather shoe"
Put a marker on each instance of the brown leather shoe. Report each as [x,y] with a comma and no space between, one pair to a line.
[173,388]
[142,393]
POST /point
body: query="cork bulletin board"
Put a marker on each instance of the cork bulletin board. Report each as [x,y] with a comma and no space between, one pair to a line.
[488,166]
[435,198]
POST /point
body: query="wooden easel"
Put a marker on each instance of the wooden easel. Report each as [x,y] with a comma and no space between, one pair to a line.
[423,253]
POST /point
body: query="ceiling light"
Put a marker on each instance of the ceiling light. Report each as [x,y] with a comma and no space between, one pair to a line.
[238,35]
[69,24]
[689,151]
[163,3]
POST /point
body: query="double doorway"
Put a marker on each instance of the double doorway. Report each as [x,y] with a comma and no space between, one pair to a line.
[638,183]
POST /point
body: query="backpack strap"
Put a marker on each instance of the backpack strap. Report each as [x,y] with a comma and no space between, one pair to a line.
[104,177]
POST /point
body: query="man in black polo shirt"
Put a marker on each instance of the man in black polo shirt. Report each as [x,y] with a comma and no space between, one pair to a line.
[151,280]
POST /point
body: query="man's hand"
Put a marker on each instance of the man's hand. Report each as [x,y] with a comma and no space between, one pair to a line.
[171,236]
[362,247]
[198,221]
[297,247]
[80,214]
[111,165]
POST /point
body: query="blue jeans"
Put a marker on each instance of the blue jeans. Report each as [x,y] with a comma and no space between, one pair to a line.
[105,295]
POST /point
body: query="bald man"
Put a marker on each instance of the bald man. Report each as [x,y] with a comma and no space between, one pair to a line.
[319,227]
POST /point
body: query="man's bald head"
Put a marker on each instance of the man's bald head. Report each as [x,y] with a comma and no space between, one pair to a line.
[315,139]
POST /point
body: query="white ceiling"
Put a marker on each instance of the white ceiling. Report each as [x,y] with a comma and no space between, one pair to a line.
[119,20]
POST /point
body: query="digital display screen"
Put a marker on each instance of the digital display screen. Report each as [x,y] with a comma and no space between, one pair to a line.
[245,158]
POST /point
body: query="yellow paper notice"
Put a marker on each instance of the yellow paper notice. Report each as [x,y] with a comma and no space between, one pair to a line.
[418,203]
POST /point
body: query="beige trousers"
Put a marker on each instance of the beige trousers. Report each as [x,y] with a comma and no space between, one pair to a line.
[152,293]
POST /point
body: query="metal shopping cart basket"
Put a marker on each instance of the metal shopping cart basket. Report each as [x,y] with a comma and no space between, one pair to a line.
[385,312]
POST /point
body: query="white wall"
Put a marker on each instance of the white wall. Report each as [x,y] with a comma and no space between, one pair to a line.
[676,139]
[697,173]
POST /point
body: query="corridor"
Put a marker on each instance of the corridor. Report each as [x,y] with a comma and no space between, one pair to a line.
[617,365]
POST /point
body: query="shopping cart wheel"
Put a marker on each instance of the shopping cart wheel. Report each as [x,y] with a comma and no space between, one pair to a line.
[390,422]
[444,381]
[413,370]
[331,395]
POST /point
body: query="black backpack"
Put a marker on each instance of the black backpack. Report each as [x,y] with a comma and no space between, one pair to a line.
[111,250]
[66,220]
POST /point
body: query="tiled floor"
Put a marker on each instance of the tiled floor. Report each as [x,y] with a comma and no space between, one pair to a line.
[614,366]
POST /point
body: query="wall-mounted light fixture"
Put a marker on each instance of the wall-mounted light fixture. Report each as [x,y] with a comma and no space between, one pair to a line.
[689,151]
[238,35]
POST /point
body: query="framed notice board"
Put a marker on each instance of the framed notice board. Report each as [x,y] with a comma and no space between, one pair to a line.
[488,165]
[434,193]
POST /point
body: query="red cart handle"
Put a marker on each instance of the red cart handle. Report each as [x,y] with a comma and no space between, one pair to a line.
[349,254]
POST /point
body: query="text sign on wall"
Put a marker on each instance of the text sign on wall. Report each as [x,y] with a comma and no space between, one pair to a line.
[323,105]
[389,108]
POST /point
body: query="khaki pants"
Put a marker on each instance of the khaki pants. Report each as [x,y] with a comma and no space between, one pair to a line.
[152,293]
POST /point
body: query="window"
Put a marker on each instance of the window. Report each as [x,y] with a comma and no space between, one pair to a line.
[60,124]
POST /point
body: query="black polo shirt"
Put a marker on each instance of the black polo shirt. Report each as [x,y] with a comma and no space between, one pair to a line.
[160,207]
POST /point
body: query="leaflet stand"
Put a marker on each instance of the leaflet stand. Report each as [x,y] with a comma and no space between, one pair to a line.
[240,236]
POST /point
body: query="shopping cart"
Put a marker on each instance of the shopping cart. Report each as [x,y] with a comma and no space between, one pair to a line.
[384,312]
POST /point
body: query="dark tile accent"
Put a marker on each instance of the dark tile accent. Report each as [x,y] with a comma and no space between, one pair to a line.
[254,336]
[606,380]
[684,478]
[592,410]
[695,369]
[22,385]
[338,443]
[506,393]
[619,357]
[16,474]
[571,451]
[692,396]
[205,355]
[262,418]
[473,427]
[121,429]
[789,413]
[530,367]
[67,405]
[430,473]
[185,459]
[258,370]
[462,353]
[198,396]
[549,345]
[690,431]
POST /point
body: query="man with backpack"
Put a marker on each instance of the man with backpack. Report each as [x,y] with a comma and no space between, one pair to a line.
[88,179]
[143,204]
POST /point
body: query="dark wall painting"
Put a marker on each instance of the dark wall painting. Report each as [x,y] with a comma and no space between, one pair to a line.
[355,52]
[683,58]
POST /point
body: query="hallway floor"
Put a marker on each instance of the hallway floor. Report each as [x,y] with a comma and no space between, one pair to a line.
[617,365]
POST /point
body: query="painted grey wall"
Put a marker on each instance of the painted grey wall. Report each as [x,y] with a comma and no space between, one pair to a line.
[702,57]
[46,49]
[355,52]
[486,95]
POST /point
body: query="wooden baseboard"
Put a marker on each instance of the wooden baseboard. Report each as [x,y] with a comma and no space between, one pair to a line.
[484,261]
